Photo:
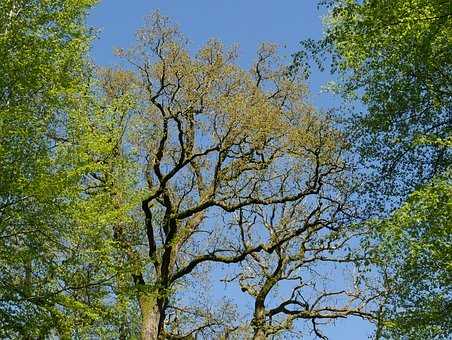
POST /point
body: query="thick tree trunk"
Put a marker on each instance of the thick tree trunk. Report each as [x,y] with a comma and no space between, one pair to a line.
[150,317]
[259,334]
[259,321]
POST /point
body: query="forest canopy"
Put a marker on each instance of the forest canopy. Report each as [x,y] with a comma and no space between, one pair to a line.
[130,195]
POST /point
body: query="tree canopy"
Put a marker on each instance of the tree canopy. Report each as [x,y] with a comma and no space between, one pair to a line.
[129,194]
[394,56]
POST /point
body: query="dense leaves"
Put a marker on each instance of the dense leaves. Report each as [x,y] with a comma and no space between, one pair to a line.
[415,252]
[55,266]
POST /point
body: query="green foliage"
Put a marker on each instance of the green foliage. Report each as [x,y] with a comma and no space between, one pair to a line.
[81,150]
[414,250]
[57,260]
[394,56]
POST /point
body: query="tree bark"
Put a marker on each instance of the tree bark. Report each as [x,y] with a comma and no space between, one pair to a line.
[150,317]
[259,321]
[259,334]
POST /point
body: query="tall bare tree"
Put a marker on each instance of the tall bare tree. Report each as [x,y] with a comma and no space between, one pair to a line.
[216,143]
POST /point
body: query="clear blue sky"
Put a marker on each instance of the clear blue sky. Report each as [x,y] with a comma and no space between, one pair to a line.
[247,23]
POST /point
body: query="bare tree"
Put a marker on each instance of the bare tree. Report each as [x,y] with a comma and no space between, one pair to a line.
[217,143]
[307,272]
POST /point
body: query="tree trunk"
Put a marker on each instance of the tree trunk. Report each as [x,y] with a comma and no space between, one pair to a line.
[259,321]
[259,334]
[150,317]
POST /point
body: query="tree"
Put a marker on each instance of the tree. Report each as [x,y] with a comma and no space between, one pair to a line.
[394,56]
[217,143]
[303,279]
[122,189]
[418,278]
[52,233]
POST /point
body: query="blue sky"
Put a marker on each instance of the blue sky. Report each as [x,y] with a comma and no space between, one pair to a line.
[247,23]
